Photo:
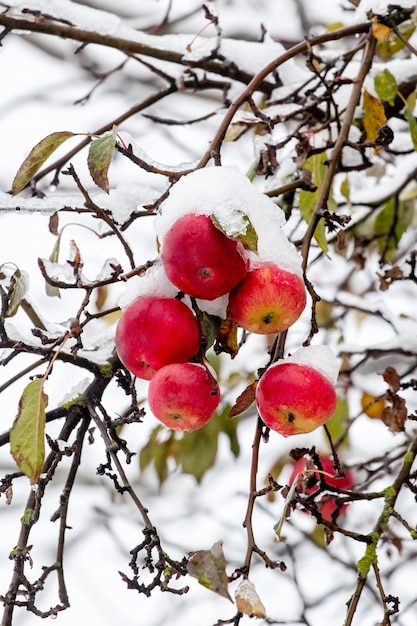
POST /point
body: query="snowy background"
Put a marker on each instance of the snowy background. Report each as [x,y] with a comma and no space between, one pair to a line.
[45,89]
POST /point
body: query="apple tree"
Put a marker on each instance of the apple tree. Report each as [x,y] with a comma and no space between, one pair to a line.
[208,322]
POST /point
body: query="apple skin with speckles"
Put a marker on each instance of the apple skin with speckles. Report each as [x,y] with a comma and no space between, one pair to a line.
[153,332]
[268,300]
[183,396]
[294,398]
[199,259]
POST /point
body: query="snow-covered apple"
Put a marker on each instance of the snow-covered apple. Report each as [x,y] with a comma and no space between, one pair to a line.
[200,259]
[183,396]
[309,481]
[268,300]
[153,332]
[295,398]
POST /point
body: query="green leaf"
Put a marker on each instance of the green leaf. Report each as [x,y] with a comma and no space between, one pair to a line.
[211,327]
[209,568]
[229,427]
[51,290]
[27,436]
[386,86]
[337,424]
[194,452]
[409,116]
[198,450]
[157,453]
[390,224]
[37,157]
[100,154]
[345,188]
[308,199]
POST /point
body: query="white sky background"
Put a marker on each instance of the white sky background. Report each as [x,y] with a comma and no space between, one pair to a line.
[37,96]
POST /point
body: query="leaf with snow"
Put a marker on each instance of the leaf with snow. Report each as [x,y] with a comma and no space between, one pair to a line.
[27,436]
[19,284]
[209,568]
[37,157]
[247,600]
[248,238]
[100,154]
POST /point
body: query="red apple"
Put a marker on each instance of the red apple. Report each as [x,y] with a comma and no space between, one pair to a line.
[268,300]
[309,484]
[183,396]
[199,259]
[294,398]
[153,332]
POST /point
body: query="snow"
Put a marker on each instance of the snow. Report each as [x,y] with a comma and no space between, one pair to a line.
[249,56]
[105,526]
[379,7]
[320,357]
[127,198]
[154,282]
[83,16]
[47,205]
[228,195]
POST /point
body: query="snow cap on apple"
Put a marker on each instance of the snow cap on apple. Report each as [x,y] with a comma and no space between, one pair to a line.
[228,196]
[296,395]
[200,259]
[153,282]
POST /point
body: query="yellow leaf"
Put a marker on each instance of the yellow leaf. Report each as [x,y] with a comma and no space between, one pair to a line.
[372,407]
[380,31]
[227,337]
[373,115]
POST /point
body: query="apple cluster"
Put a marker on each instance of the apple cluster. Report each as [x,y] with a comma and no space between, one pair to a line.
[222,249]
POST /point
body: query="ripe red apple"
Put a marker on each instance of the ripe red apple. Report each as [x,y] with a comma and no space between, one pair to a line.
[183,396]
[294,398]
[199,259]
[153,332]
[268,300]
[310,484]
